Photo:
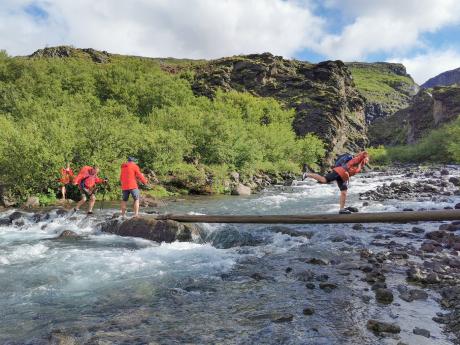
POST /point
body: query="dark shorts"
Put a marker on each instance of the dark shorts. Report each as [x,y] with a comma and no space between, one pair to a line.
[333,176]
[86,193]
[134,192]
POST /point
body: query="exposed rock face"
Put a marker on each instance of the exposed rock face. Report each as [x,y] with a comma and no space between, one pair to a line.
[323,95]
[241,189]
[386,87]
[428,110]
[444,79]
[67,52]
[150,229]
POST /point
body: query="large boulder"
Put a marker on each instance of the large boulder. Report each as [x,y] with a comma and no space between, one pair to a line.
[150,229]
[241,189]
[32,202]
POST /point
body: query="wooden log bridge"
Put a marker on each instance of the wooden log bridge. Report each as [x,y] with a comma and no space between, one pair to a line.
[325,218]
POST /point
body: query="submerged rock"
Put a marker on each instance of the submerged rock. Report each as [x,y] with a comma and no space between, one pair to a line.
[384,296]
[230,237]
[68,234]
[150,229]
[422,332]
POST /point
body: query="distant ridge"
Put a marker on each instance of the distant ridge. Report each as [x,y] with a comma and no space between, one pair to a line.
[447,78]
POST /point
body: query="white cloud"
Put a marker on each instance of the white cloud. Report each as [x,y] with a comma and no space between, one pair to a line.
[187,28]
[386,26]
[425,66]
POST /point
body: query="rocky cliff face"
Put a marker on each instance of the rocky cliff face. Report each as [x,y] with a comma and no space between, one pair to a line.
[70,52]
[385,86]
[428,110]
[323,95]
[451,77]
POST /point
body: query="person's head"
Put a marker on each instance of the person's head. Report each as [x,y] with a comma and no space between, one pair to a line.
[132,159]
[94,171]
[366,157]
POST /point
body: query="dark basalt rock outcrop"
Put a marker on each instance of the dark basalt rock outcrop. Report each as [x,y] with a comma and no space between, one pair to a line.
[428,110]
[69,52]
[323,95]
[150,229]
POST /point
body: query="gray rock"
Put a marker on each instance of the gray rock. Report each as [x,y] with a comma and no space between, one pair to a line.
[32,202]
[382,327]
[327,287]
[241,189]
[308,311]
[68,234]
[412,295]
[230,237]
[422,332]
[310,286]
[417,230]
[384,296]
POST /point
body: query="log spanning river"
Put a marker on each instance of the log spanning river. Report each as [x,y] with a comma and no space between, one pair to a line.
[241,283]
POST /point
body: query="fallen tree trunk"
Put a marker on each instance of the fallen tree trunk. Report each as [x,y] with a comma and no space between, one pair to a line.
[326,218]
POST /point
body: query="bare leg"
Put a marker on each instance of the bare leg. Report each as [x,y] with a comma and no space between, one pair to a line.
[123,208]
[343,198]
[63,192]
[319,178]
[136,207]
[92,201]
[81,202]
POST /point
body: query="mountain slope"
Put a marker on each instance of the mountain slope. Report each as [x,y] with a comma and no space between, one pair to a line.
[385,86]
[323,95]
[444,79]
[429,110]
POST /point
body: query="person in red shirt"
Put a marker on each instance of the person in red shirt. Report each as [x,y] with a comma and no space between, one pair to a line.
[129,175]
[66,178]
[87,181]
[342,174]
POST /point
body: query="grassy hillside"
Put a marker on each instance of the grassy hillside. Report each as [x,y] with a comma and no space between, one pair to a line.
[91,107]
[386,87]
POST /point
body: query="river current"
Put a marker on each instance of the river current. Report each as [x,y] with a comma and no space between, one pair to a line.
[106,289]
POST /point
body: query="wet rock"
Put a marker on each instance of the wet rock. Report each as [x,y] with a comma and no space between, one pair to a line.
[431,246]
[408,209]
[357,226]
[382,327]
[310,286]
[457,206]
[422,332]
[378,285]
[288,269]
[291,232]
[444,172]
[61,338]
[241,189]
[449,227]
[259,276]
[352,209]
[305,276]
[384,296]
[283,318]
[412,295]
[150,229]
[147,201]
[322,278]
[308,311]
[455,181]
[68,234]
[338,238]
[230,237]
[316,261]
[327,287]
[32,202]
[417,230]
[365,253]
[16,215]
[61,212]
[365,203]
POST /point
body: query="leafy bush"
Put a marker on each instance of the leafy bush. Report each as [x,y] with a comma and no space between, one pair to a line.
[54,111]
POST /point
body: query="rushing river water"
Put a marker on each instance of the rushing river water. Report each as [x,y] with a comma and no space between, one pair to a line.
[106,289]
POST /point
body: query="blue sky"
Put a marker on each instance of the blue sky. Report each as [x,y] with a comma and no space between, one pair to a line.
[422,34]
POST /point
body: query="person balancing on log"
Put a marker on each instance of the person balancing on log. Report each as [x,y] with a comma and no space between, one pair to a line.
[345,166]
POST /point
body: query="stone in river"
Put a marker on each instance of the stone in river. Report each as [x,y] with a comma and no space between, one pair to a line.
[422,332]
[384,296]
[68,234]
[382,327]
[308,311]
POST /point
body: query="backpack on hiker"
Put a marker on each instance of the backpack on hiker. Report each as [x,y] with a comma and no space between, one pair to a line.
[343,160]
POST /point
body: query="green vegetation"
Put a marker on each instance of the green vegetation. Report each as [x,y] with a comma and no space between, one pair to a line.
[439,146]
[54,110]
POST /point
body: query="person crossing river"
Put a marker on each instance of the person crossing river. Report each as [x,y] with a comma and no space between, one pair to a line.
[345,166]
[129,174]
[87,181]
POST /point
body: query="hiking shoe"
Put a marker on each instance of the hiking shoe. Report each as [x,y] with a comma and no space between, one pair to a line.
[90,212]
[344,211]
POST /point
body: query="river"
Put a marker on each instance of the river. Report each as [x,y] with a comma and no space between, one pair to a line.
[106,289]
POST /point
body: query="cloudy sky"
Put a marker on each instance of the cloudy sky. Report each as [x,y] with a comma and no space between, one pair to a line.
[422,34]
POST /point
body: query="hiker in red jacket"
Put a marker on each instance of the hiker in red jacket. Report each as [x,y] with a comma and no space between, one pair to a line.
[87,181]
[345,167]
[129,175]
[66,179]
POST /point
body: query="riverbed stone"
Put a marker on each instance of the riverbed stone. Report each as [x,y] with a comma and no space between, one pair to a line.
[382,327]
[308,311]
[412,295]
[422,332]
[68,234]
[384,296]
[151,229]
[241,189]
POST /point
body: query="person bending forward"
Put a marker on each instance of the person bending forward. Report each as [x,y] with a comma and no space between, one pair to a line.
[341,174]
